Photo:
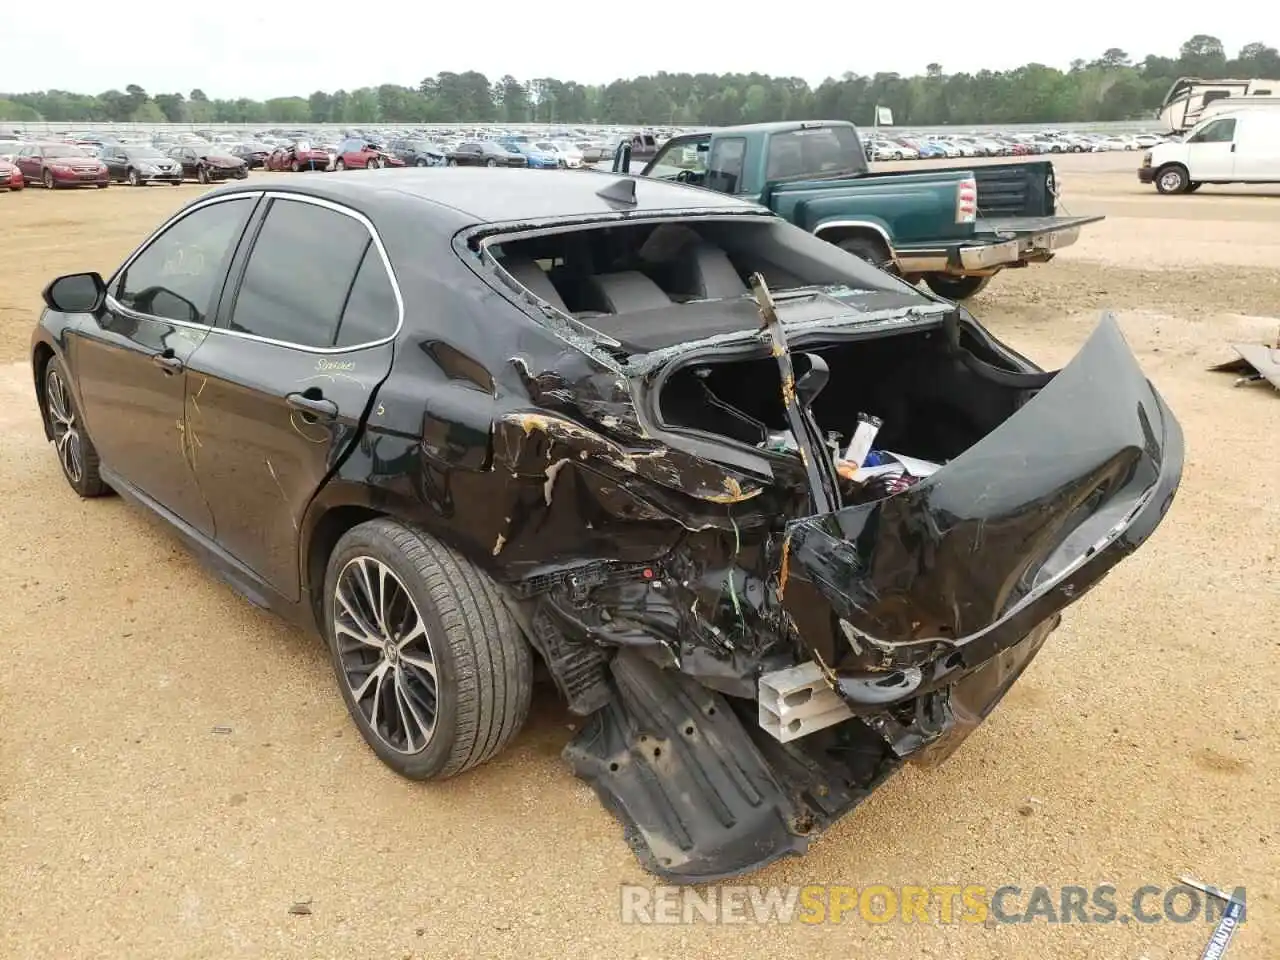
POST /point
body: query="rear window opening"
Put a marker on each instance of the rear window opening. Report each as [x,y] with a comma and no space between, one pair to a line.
[653,285]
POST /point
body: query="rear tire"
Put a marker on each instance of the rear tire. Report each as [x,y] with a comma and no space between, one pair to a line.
[468,665]
[76,453]
[955,288]
[872,251]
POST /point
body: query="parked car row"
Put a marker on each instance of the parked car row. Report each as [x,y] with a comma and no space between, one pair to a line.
[910,146]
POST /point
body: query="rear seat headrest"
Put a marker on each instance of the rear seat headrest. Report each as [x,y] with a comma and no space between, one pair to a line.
[533,278]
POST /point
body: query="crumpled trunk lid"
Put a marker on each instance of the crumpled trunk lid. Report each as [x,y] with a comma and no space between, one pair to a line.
[910,591]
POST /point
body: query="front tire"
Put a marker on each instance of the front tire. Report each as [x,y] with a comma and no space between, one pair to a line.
[47,179]
[955,288]
[491,162]
[432,666]
[1172,179]
[76,453]
[133,179]
[202,174]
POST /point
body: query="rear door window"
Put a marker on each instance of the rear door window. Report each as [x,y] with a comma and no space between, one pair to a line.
[372,311]
[300,274]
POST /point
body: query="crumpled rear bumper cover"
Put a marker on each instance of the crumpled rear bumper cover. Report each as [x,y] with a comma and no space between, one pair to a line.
[943,594]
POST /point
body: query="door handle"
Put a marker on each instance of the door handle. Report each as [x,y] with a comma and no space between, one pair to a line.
[167,361]
[315,406]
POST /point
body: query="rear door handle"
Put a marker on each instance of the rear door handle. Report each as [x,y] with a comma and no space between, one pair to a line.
[167,362]
[315,406]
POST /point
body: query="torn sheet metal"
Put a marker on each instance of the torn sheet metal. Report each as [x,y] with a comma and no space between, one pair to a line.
[1257,362]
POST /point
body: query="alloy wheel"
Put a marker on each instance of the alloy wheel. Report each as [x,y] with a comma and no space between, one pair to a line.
[385,654]
[133,178]
[62,422]
[48,180]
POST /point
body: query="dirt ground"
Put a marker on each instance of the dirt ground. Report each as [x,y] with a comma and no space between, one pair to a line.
[1142,743]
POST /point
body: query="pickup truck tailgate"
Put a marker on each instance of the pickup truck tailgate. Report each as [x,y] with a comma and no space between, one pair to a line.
[1026,226]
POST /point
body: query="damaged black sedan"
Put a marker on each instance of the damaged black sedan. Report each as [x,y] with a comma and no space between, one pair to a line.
[775,521]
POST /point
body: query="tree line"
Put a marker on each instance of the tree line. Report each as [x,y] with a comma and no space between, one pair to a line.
[1112,87]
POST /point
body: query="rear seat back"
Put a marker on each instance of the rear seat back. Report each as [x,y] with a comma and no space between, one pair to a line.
[703,272]
[628,291]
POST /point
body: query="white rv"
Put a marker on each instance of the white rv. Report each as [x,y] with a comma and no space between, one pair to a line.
[1239,147]
[1186,100]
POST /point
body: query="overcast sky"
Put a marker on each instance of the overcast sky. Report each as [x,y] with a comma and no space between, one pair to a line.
[263,50]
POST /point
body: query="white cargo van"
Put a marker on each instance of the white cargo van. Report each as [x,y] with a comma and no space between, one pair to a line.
[1239,147]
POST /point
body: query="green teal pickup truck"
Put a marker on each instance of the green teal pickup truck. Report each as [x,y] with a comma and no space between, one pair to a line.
[952,227]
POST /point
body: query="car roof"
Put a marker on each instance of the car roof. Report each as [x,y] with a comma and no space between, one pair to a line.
[500,195]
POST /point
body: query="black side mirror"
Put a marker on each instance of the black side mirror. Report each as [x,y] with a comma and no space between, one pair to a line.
[76,293]
[813,381]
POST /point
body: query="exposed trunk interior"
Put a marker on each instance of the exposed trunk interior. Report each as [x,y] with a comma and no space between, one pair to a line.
[933,406]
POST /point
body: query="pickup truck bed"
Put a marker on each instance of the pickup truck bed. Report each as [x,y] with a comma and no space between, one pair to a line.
[953,227]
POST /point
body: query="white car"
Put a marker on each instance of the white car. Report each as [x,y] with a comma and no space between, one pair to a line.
[569,154]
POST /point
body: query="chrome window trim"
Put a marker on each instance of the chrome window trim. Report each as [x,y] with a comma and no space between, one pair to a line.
[272,195]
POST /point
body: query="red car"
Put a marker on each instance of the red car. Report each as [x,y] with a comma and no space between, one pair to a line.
[299,156]
[61,165]
[357,154]
[10,176]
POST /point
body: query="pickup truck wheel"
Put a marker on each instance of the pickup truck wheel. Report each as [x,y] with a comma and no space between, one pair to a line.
[1172,179]
[955,288]
[872,251]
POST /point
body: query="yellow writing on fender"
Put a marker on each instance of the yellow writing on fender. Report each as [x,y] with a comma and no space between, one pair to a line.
[879,903]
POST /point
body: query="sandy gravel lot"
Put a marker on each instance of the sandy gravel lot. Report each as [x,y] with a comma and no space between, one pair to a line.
[1146,731]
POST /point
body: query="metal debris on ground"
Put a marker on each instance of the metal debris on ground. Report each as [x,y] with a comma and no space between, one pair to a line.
[223,731]
[302,908]
[1257,362]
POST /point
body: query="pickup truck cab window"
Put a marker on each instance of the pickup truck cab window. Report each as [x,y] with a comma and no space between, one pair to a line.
[683,160]
[724,168]
[814,152]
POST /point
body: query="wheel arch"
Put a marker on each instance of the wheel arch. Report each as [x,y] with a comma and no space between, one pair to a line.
[41,354]
[1170,164]
[834,231]
[325,526]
